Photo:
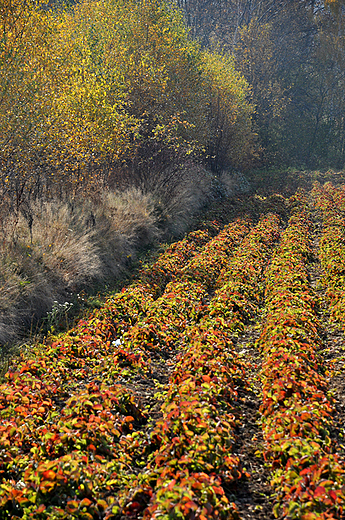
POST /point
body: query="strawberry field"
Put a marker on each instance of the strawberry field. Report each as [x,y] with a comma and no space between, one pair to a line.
[209,388]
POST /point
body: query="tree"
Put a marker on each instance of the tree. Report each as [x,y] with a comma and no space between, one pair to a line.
[291,53]
[231,140]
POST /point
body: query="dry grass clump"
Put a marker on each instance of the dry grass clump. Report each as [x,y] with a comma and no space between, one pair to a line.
[123,223]
[61,244]
[184,192]
[26,293]
[12,287]
[50,249]
[42,259]
[233,183]
[180,193]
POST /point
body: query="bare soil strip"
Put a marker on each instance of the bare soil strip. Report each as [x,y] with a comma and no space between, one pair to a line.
[253,496]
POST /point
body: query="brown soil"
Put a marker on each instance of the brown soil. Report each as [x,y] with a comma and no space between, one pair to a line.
[254,496]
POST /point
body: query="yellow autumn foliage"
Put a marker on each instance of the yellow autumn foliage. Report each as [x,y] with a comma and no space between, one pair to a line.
[85,87]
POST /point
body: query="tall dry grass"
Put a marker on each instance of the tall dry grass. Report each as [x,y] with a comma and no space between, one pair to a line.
[124,223]
[180,193]
[51,249]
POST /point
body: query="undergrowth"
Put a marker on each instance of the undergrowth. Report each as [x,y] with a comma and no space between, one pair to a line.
[51,251]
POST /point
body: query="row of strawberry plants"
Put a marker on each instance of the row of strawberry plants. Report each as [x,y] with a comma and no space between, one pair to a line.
[196,254]
[156,334]
[168,318]
[156,331]
[206,266]
[296,408]
[194,461]
[169,264]
[66,440]
[240,285]
[330,202]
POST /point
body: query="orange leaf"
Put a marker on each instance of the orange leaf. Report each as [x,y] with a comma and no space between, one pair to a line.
[319,491]
[49,475]
[85,502]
